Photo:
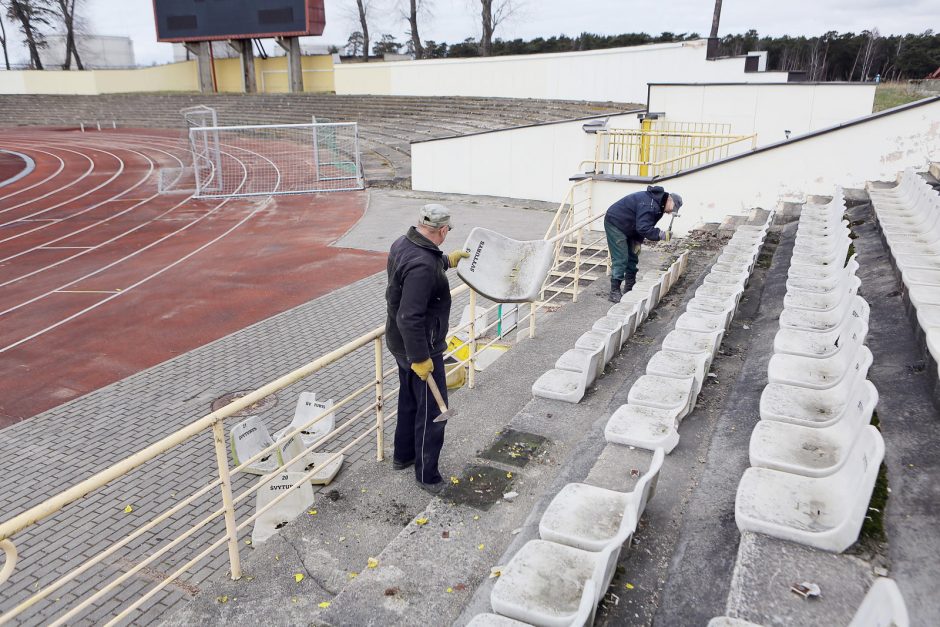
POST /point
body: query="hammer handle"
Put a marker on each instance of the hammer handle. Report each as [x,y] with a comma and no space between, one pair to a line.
[437,394]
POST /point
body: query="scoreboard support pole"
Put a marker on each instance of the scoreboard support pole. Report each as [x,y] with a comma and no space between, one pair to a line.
[247,55]
[201,50]
[291,46]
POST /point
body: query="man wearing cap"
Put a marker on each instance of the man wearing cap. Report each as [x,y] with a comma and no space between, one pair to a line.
[418,305]
[628,222]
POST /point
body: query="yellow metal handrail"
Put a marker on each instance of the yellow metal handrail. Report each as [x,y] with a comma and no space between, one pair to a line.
[572,217]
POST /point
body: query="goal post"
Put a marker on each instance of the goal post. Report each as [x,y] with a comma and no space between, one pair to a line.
[263,160]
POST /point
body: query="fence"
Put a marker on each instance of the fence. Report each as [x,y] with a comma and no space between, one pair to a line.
[275,159]
[368,415]
[660,147]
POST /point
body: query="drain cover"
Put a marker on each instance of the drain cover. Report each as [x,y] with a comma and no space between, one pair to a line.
[479,487]
[514,448]
[264,404]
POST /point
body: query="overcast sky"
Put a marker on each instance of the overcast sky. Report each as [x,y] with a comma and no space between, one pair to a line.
[455,20]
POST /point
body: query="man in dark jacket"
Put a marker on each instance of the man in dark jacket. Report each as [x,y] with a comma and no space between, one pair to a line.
[418,304]
[628,222]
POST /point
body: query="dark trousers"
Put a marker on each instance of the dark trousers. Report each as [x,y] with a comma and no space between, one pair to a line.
[624,254]
[417,436]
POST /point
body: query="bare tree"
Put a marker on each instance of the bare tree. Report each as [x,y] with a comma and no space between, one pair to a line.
[492,14]
[31,14]
[715,19]
[415,6]
[3,39]
[364,6]
[65,13]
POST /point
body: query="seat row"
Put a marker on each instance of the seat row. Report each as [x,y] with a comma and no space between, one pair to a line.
[558,580]
[577,368]
[909,217]
[661,398]
[814,455]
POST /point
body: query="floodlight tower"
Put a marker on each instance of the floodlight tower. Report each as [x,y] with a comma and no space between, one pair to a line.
[195,23]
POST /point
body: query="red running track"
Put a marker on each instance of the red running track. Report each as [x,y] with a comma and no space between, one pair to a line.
[10,166]
[102,277]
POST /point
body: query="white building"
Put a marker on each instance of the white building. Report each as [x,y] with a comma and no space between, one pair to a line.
[96,51]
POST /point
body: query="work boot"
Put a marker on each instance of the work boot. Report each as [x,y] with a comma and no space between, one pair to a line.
[614,291]
[628,283]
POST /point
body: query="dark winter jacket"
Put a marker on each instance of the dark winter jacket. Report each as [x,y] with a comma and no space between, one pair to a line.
[636,215]
[417,297]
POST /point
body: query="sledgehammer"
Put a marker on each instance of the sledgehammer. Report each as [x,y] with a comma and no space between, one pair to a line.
[445,413]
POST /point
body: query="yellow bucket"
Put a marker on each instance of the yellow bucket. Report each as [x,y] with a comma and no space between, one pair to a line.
[456,373]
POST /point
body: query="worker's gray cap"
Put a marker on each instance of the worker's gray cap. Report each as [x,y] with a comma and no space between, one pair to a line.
[434,216]
[676,201]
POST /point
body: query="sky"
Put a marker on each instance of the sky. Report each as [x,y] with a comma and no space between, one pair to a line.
[455,20]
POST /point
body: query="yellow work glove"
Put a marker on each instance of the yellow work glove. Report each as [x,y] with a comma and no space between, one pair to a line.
[456,256]
[667,236]
[423,368]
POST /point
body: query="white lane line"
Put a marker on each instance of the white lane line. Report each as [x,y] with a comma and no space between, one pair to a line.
[64,247]
[87,291]
[38,183]
[91,168]
[153,275]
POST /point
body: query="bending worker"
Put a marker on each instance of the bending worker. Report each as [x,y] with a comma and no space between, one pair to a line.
[418,303]
[628,222]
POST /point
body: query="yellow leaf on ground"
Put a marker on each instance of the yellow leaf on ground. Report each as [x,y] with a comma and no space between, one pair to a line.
[509,475]
[298,577]
[421,521]
[352,575]
[629,586]
[324,604]
[221,599]
[480,547]
[373,563]
[454,480]
[128,509]
[450,590]
[312,512]
[247,540]
[476,518]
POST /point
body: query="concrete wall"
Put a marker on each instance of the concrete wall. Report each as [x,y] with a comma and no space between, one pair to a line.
[617,74]
[767,109]
[532,162]
[875,149]
[318,77]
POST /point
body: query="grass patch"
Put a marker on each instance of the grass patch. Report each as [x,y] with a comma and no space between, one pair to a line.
[890,95]
[849,253]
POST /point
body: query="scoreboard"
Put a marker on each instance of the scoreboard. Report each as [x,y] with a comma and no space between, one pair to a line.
[202,20]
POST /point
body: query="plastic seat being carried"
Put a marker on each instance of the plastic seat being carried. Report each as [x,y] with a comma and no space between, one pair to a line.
[825,513]
[587,517]
[503,269]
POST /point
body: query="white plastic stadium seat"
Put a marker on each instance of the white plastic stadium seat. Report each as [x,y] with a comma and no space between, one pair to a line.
[644,427]
[825,513]
[718,306]
[822,321]
[818,345]
[664,393]
[883,606]
[584,361]
[247,439]
[821,301]
[678,365]
[561,385]
[503,269]
[820,373]
[587,517]
[825,284]
[286,510]
[607,339]
[817,408]
[611,324]
[693,341]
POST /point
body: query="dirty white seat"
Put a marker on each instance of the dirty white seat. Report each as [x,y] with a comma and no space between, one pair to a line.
[627,314]
[247,439]
[820,373]
[812,270]
[819,321]
[611,324]
[653,287]
[644,427]
[642,299]
[821,301]
[742,260]
[693,341]
[633,304]
[678,365]
[883,606]
[285,510]
[817,408]
[727,278]
[308,410]
[727,621]
[503,269]
[825,513]
[933,343]
[701,322]
[825,344]
[716,306]
[712,290]
[561,385]
[922,295]
[807,451]
[917,262]
[587,517]
[590,340]
[544,582]
[495,620]
[584,361]
[914,276]
[826,284]
[583,617]
[664,393]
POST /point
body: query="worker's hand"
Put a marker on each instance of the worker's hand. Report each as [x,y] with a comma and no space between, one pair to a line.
[455,256]
[423,368]
[636,247]
[667,236]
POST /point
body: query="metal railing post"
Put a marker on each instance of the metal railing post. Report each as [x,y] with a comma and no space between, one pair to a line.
[221,457]
[471,375]
[577,269]
[531,320]
[379,402]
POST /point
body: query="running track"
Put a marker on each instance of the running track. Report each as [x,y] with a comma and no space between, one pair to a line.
[101,276]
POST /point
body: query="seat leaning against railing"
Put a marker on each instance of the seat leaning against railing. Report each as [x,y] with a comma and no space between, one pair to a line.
[814,456]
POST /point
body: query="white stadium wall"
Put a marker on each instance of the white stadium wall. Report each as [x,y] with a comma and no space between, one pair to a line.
[615,74]
[876,148]
[531,162]
[766,109]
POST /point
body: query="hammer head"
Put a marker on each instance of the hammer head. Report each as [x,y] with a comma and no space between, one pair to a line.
[450,413]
